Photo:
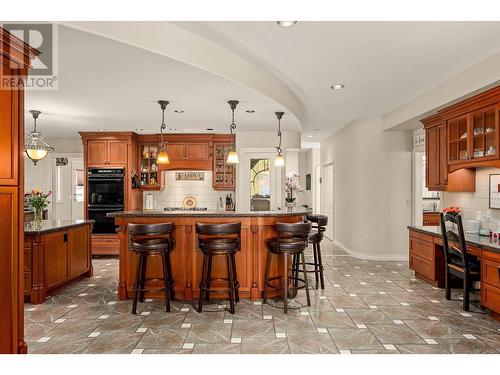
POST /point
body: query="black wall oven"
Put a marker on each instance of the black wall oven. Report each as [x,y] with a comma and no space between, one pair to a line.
[105,194]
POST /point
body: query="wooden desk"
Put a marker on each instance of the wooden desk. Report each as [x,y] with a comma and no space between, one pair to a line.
[426,258]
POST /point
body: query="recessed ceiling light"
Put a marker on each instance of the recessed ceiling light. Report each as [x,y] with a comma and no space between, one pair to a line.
[286,23]
[316,130]
[139,129]
[250,111]
[209,129]
[172,129]
[179,111]
[309,136]
[101,130]
[337,86]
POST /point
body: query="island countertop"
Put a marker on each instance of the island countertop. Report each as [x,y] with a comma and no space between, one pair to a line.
[209,213]
[47,226]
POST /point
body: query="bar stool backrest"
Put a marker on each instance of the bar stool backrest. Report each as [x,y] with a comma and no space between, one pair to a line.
[452,232]
[138,232]
[228,231]
[296,231]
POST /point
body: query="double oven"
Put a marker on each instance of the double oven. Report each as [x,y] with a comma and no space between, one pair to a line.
[105,194]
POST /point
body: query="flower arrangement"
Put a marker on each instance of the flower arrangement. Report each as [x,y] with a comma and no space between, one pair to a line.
[452,210]
[39,201]
[291,185]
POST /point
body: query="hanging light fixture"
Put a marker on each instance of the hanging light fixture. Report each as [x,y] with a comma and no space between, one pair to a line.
[232,157]
[280,160]
[162,157]
[35,147]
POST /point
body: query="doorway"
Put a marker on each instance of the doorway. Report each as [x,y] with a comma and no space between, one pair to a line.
[328,192]
[68,187]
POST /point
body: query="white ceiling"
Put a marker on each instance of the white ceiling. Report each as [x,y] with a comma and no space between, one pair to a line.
[112,85]
[382,64]
[105,84]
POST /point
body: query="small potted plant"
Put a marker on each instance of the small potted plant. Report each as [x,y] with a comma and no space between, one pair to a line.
[39,201]
[292,185]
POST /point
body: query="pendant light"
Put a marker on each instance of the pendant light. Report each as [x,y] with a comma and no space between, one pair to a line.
[162,154]
[35,147]
[232,157]
[279,161]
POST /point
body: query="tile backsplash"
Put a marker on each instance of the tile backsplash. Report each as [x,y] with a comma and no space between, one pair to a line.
[175,191]
[471,203]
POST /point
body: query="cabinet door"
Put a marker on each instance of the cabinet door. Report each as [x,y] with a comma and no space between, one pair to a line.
[459,140]
[56,258]
[443,160]
[197,151]
[484,134]
[79,251]
[432,157]
[176,151]
[117,152]
[97,152]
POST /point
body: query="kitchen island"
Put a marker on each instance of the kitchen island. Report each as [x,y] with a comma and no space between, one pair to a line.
[186,258]
[55,253]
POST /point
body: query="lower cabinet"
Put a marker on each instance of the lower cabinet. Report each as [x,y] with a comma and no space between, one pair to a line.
[423,258]
[105,244]
[431,219]
[490,281]
[54,258]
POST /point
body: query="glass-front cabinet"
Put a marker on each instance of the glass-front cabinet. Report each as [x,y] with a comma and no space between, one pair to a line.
[224,174]
[473,137]
[149,172]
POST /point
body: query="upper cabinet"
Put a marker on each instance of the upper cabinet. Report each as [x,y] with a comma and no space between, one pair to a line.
[473,137]
[103,152]
[224,176]
[459,139]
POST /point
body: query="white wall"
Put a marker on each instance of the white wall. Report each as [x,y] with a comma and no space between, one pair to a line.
[372,187]
[471,203]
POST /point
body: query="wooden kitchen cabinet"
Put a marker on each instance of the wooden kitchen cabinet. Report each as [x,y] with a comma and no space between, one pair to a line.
[151,178]
[189,151]
[106,152]
[56,253]
[176,151]
[431,219]
[224,174]
[197,151]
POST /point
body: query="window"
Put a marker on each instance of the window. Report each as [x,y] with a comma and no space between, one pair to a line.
[260,185]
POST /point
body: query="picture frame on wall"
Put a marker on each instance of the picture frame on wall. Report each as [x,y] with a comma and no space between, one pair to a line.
[494,196]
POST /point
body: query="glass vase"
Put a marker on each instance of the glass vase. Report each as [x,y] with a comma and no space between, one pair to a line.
[38,215]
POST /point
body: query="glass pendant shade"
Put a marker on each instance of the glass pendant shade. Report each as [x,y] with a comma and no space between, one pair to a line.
[162,158]
[232,158]
[279,161]
[35,147]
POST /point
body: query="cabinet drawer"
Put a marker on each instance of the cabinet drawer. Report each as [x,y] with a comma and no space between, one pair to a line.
[489,273]
[421,266]
[495,257]
[422,236]
[422,248]
[490,297]
[431,219]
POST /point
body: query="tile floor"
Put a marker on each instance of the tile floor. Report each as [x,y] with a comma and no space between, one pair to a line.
[367,307]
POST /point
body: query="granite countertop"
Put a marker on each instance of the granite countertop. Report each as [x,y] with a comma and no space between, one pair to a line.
[47,226]
[157,213]
[471,239]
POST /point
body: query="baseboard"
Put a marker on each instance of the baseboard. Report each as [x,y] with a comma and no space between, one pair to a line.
[364,256]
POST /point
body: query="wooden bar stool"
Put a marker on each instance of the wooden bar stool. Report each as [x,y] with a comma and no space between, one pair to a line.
[152,240]
[291,239]
[219,240]
[319,222]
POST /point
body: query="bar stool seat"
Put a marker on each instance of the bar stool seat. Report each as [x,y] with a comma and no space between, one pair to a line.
[152,240]
[289,245]
[219,240]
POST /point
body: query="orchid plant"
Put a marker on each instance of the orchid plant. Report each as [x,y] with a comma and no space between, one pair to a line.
[291,185]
